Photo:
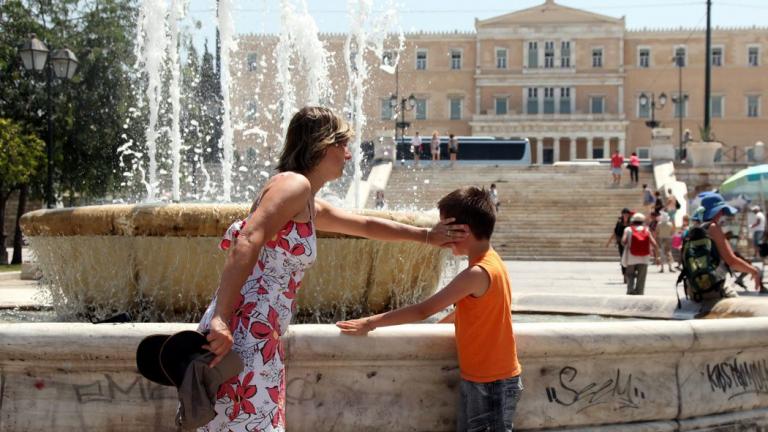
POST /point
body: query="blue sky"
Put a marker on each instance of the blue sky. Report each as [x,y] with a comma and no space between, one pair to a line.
[262,16]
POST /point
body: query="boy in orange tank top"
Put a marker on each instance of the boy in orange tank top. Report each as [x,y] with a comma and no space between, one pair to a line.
[490,372]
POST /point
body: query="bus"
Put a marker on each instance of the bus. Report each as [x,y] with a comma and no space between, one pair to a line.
[480,149]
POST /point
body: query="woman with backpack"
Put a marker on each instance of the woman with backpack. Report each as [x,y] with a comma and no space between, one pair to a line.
[637,241]
[717,264]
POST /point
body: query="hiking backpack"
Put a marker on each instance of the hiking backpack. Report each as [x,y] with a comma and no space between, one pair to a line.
[700,261]
[640,243]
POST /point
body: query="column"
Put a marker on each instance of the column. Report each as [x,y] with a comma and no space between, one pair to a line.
[555,149]
[590,141]
[573,148]
[606,148]
[622,145]
[539,150]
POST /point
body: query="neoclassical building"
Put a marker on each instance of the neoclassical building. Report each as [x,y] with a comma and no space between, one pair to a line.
[570,80]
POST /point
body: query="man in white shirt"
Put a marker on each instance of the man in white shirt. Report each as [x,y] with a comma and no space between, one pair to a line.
[757,229]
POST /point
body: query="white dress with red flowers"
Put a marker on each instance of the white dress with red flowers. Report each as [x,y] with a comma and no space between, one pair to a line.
[255,399]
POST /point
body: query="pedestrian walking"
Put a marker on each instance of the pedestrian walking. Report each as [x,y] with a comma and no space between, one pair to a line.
[435,147]
[618,230]
[617,160]
[495,196]
[416,148]
[634,169]
[648,198]
[665,230]
[757,229]
[453,148]
[637,241]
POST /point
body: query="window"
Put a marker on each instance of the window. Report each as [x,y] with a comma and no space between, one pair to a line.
[533,54]
[643,111]
[386,110]
[643,152]
[717,56]
[565,54]
[388,58]
[501,105]
[549,100]
[644,58]
[421,59]
[754,56]
[421,109]
[716,106]
[549,54]
[753,106]
[565,100]
[501,58]
[455,108]
[680,56]
[455,59]
[252,62]
[597,57]
[597,104]
[681,106]
[532,107]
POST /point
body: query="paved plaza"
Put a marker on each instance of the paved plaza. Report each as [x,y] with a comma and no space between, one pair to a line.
[528,277]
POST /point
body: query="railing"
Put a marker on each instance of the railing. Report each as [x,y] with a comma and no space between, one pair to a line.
[577,116]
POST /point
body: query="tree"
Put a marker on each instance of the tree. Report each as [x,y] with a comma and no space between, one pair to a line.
[21,154]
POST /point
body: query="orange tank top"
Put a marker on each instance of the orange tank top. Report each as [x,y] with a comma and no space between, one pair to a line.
[484,337]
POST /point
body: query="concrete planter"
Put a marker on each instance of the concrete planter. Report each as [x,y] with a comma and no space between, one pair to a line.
[645,375]
[701,154]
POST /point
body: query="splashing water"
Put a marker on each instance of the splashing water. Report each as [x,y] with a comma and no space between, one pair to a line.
[228,46]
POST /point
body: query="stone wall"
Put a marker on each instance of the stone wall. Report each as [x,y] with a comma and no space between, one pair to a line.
[701,375]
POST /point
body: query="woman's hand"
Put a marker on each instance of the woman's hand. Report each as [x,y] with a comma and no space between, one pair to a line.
[446,232]
[358,327]
[219,340]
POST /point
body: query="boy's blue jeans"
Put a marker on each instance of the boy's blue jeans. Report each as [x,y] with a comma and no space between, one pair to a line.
[488,406]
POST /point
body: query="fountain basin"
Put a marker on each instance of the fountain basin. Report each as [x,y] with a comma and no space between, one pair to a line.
[161,262]
[639,375]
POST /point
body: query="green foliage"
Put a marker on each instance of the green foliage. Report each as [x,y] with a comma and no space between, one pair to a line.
[706,134]
[21,155]
[88,112]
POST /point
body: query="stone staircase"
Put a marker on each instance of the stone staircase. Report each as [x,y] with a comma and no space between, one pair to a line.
[547,212]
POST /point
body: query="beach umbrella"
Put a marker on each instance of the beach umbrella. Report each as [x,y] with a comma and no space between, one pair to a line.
[751,181]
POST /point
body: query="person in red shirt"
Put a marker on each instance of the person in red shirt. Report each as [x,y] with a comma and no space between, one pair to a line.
[617,160]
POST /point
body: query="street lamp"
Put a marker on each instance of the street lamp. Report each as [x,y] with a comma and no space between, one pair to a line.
[406,104]
[61,63]
[645,101]
[679,100]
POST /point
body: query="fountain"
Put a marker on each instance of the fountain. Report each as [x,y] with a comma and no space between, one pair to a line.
[159,261]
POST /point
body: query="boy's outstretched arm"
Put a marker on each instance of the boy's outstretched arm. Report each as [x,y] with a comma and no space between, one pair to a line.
[472,281]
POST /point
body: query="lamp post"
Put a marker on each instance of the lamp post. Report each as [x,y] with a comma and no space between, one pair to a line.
[645,101]
[406,104]
[61,63]
[679,100]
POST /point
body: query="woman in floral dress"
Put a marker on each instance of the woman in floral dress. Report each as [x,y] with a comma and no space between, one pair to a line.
[268,254]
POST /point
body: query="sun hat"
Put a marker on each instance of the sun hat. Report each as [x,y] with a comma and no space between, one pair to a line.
[713,203]
[163,359]
[637,217]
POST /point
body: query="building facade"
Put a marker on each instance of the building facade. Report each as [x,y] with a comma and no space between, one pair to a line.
[569,80]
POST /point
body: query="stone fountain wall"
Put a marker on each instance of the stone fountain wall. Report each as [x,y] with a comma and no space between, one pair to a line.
[706,375]
[162,263]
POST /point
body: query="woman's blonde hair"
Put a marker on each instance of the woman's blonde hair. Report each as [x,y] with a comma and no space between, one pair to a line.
[311,131]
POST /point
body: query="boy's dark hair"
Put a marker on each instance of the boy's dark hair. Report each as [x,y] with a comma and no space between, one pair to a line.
[472,206]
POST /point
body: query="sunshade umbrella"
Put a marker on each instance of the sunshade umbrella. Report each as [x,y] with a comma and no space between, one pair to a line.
[751,181]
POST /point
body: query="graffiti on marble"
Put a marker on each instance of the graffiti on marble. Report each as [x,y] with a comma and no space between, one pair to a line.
[617,387]
[109,390]
[737,377]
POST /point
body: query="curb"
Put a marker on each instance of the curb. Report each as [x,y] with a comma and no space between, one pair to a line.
[11,275]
